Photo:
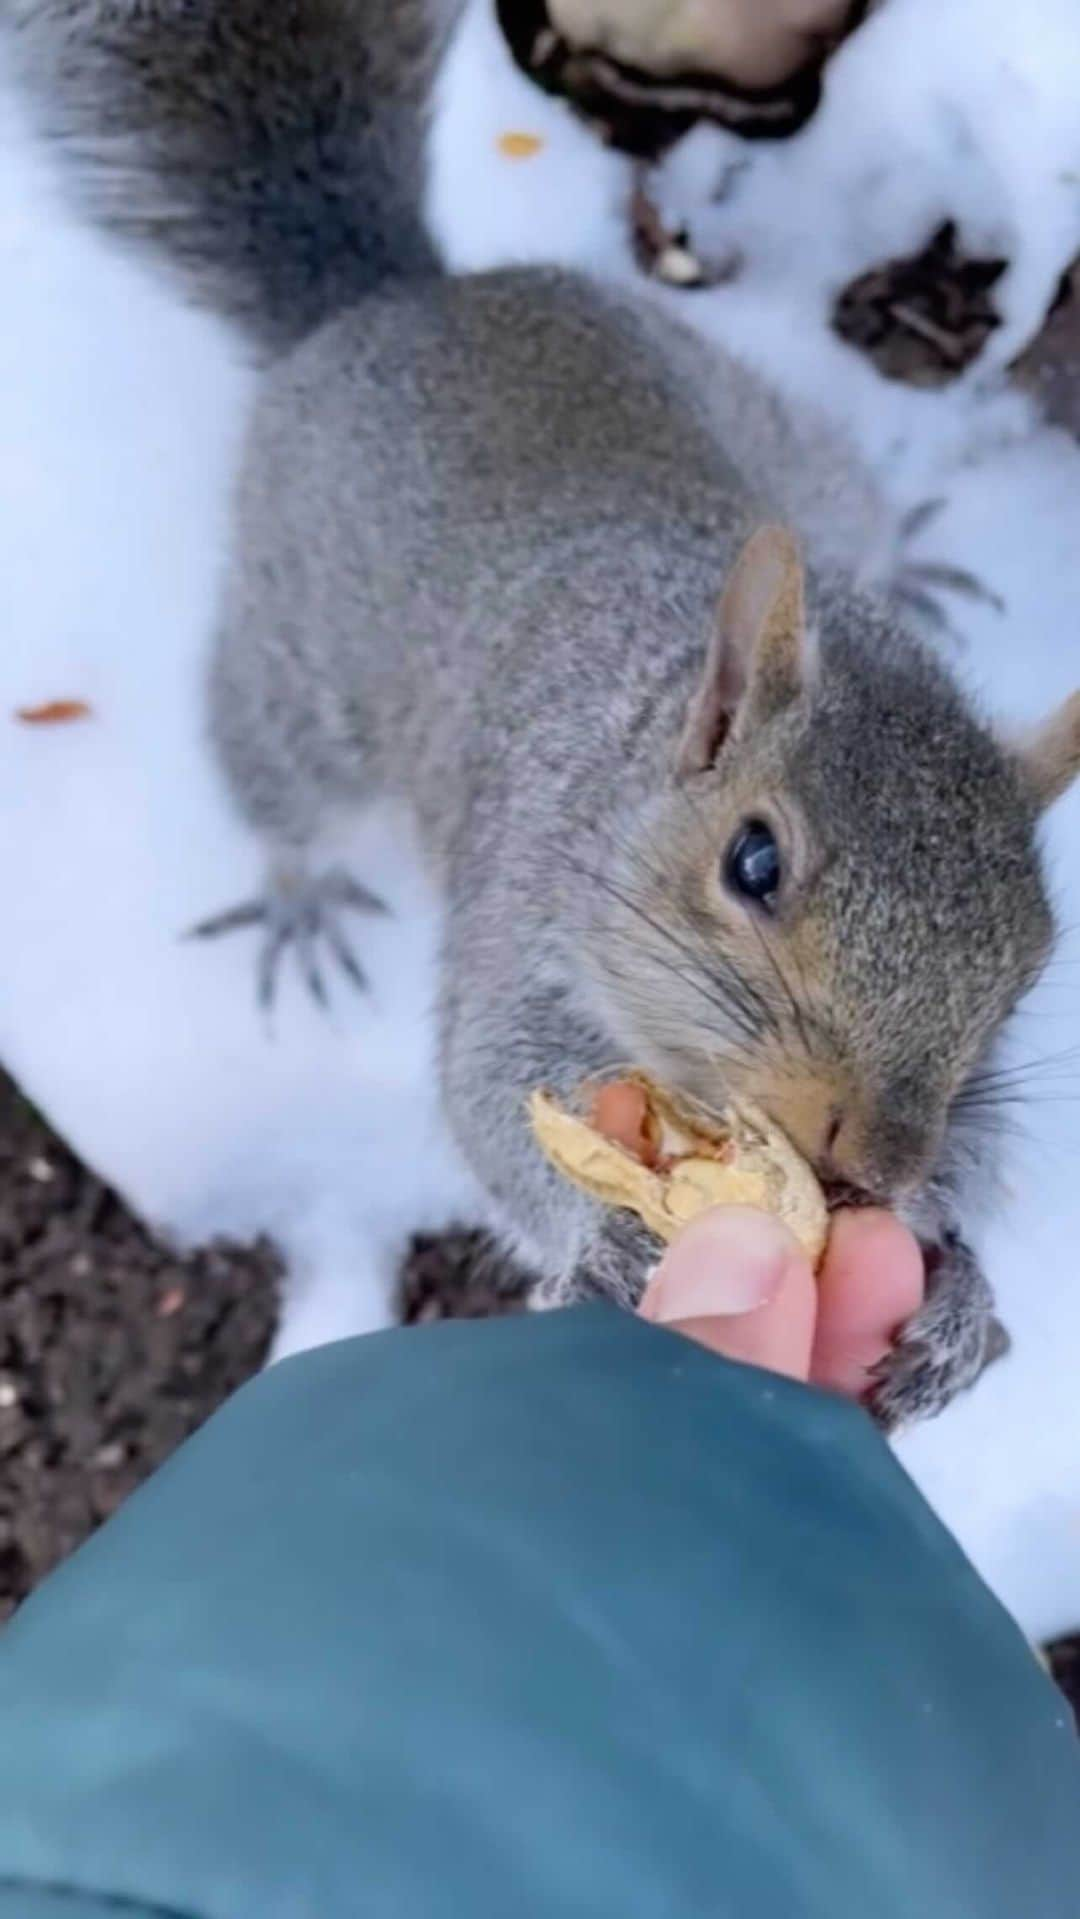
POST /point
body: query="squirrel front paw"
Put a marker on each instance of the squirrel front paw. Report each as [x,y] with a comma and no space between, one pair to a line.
[617,1264]
[946,1346]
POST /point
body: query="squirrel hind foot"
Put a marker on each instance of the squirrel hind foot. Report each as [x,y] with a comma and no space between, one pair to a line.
[923,588]
[303,912]
[940,576]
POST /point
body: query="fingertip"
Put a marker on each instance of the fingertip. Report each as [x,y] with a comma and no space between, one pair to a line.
[727,1262]
[872,1280]
[737,1282]
[875,1254]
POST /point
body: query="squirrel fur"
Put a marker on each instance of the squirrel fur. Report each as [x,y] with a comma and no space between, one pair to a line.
[511,549]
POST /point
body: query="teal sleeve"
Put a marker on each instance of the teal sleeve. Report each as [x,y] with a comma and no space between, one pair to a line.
[529,1619]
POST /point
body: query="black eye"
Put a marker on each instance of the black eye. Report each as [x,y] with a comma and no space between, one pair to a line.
[752,867]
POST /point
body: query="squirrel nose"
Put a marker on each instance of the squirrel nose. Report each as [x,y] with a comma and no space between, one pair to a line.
[839,1162]
[876,1145]
[879,1158]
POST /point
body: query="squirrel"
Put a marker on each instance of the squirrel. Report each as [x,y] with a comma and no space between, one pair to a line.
[521,551]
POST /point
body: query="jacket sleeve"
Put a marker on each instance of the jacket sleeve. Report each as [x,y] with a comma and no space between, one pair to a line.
[540,1617]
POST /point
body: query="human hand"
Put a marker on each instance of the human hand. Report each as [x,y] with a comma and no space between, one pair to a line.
[737,1282]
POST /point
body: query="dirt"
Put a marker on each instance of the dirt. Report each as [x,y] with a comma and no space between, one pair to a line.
[113,1348]
[1064,1659]
[923,318]
[1049,368]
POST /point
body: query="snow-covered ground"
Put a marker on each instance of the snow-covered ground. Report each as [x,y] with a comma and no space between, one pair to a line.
[119,423]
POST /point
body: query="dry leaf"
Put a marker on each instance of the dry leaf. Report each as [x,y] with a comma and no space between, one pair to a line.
[54,713]
[519,146]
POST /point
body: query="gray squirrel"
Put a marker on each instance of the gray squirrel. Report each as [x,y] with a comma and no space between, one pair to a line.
[519,551]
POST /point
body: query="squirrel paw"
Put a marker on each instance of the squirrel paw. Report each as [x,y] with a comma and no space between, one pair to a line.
[918,586]
[305,912]
[946,1346]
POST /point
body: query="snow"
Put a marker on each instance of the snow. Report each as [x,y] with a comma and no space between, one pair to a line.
[118,436]
[121,418]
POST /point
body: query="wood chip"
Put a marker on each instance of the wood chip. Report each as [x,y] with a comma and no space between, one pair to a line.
[519,146]
[54,713]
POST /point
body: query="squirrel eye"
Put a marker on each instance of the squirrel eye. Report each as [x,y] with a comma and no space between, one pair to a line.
[752,866]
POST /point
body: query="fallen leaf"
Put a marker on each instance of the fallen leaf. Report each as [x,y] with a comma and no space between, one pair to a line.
[53,713]
[519,146]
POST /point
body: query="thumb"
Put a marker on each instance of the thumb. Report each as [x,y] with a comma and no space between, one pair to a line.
[737,1282]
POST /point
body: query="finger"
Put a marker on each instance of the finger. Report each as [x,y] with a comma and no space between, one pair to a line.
[872,1279]
[737,1282]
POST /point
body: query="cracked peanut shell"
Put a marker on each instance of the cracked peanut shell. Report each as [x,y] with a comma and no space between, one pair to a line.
[680,1161]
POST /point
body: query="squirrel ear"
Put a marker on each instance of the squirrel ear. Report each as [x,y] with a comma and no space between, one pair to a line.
[1050,756]
[756,661]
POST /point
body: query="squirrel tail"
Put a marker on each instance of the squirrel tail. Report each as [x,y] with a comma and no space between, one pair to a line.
[270,155]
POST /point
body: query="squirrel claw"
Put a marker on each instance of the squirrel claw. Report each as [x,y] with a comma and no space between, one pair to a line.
[304,913]
[956,579]
[918,518]
[924,609]
[251,913]
[921,591]
[921,586]
[945,1348]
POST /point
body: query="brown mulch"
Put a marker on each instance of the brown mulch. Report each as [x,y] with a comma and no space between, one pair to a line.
[924,318]
[1049,368]
[1064,1657]
[113,1348]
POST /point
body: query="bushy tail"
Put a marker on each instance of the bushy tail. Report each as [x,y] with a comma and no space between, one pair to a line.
[270,151]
